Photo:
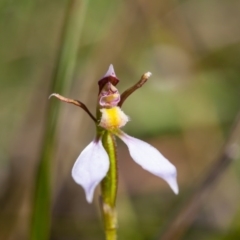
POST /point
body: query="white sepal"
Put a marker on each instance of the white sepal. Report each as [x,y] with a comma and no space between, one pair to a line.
[150,159]
[91,167]
[110,72]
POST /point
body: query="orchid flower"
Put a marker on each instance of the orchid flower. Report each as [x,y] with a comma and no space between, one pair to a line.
[93,164]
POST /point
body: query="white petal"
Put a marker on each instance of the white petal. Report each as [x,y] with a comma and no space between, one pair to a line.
[150,159]
[91,167]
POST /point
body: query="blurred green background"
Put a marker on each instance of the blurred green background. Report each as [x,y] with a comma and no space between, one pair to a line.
[186,110]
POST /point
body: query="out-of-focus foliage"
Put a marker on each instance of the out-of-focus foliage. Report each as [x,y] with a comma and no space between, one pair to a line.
[186,110]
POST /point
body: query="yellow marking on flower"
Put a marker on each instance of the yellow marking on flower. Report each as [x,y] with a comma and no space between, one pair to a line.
[110,98]
[113,118]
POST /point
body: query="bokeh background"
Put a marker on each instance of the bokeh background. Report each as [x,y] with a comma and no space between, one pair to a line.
[186,110]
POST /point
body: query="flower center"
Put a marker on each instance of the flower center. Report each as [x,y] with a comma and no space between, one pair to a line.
[113,118]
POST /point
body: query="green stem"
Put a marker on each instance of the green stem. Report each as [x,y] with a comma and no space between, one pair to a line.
[109,188]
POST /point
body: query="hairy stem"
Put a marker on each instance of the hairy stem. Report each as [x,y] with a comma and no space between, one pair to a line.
[109,188]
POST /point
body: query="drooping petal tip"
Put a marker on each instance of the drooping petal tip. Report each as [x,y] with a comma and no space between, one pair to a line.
[90,168]
[150,159]
[172,182]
